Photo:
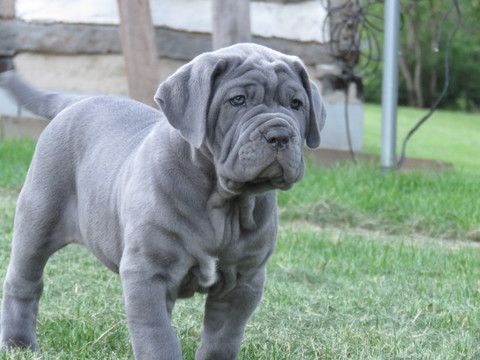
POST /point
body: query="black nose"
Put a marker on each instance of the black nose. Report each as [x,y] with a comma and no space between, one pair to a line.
[278,137]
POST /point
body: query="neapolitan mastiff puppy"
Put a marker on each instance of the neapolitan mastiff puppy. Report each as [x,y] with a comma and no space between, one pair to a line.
[176,202]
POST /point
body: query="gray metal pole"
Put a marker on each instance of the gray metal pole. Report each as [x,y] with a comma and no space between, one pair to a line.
[390,84]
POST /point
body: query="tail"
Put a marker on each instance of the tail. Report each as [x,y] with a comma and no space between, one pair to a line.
[42,103]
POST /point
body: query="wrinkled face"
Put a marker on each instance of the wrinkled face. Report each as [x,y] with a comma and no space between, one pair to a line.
[258,117]
[251,109]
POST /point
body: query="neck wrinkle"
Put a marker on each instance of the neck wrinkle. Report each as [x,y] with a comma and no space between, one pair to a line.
[220,207]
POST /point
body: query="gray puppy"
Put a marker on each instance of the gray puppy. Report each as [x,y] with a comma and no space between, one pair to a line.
[176,202]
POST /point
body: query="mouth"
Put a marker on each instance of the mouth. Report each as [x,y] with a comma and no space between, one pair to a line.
[276,183]
[270,178]
[257,186]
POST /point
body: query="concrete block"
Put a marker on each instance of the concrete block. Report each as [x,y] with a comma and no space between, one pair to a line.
[334,134]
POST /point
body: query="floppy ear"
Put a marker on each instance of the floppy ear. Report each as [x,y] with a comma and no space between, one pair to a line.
[185,97]
[316,118]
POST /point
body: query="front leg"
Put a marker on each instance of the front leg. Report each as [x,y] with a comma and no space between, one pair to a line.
[226,317]
[148,309]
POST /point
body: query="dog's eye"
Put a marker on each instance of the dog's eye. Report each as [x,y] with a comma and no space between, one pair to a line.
[296,104]
[238,100]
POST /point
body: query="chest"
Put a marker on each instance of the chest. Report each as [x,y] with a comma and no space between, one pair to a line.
[245,234]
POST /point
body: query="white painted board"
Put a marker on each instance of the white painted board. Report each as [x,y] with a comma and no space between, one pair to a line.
[297,21]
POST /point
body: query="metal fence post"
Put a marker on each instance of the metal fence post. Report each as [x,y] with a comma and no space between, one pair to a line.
[390,84]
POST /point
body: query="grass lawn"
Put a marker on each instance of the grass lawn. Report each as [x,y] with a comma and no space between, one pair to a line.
[449,136]
[368,265]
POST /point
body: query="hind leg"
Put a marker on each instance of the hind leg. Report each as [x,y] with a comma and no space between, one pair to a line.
[33,243]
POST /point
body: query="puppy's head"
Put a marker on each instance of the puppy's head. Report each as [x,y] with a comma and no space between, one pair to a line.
[252,108]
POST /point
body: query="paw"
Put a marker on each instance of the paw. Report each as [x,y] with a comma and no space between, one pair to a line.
[18,342]
[216,353]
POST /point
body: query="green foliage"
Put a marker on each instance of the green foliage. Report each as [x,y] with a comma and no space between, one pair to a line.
[464,89]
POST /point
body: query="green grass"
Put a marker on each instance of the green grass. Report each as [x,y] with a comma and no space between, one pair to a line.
[445,205]
[362,269]
[448,136]
[15,156]
[329,295]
